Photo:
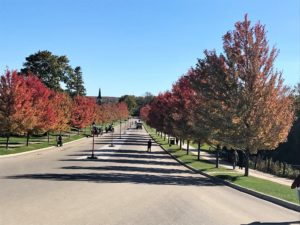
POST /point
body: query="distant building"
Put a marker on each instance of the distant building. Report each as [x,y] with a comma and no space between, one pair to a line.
[104,99]
[99,98]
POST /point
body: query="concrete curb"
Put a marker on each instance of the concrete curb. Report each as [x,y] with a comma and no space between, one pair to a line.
[266,197]
[37,150]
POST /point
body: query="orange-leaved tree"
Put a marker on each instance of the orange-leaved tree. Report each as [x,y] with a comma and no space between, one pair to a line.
[41,106]
[62,104]
[16,111]
[248,105]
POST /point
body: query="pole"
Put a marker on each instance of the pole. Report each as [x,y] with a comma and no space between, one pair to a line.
[120,128]
[93,147]
[112,139]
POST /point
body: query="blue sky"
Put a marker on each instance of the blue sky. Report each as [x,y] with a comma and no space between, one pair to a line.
[138,46]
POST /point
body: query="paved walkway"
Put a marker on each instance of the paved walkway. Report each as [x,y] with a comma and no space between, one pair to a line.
[254,173]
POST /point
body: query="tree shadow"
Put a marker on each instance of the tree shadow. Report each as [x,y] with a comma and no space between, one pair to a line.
[130,169]
[126,155]
[127,161]
[229,177]
[274,223]
[120,178]
[128,151]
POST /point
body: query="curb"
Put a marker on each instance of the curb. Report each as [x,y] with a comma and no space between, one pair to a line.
[35,151]
[266,197]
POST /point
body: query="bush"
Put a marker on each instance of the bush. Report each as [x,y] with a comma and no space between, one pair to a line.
[276,168]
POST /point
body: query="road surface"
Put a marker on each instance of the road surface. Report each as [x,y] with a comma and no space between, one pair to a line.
[125,186]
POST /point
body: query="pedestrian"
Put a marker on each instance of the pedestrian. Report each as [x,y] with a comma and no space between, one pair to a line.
[149,146]
[296,185]
[241,159]
[235,158]
[59,140]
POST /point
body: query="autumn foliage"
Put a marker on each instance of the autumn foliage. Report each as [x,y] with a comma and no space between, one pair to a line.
[235,99]
[28,107]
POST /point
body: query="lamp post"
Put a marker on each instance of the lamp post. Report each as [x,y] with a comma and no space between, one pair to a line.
[112,137]
[93,147]
[120,128]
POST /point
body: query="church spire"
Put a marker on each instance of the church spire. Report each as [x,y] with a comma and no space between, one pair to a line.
[99,98]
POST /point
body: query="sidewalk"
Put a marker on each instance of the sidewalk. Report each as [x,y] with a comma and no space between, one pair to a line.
[254,173]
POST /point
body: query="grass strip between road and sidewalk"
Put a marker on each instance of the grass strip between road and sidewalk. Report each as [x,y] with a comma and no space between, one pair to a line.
[256,184]
[43,144]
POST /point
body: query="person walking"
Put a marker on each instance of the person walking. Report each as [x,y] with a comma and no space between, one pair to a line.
[241,159]
[296,185]
[59,140]
[149,145]
[235,158]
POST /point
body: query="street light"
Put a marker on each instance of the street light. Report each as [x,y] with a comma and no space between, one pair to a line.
[93,132]
[120,128]
[112,137]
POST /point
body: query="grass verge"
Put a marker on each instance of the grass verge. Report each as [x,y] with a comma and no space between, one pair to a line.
[256,184]
[34,146]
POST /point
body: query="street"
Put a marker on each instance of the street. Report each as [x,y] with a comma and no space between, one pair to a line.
[125,185]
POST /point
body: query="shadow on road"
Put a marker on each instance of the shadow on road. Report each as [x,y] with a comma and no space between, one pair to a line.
[129,169]
[127,161]
[129,166]
[120,178]
[274,223]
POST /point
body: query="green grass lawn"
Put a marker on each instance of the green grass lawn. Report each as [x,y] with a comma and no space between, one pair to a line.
[264,186]
[18,144]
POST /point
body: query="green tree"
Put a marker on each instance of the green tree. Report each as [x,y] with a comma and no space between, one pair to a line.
[130,100]
[50,69]
[297,100]
[74,83]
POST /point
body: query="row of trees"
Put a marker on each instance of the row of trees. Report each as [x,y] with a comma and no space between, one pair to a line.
[28,107]
[235,99]
[135,103]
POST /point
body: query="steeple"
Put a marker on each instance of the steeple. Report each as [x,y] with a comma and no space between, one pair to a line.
[99,98]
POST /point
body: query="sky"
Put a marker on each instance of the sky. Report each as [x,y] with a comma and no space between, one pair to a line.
[138,46]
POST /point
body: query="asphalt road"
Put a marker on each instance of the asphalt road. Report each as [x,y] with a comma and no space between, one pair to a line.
[126,185]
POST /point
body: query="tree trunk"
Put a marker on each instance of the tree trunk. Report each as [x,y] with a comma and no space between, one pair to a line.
[168,138]
[199,150]
[48,135]
[217,156]
[247,163]
[27,139]
[164,137]
[7,140]
[188,146]
[180,144]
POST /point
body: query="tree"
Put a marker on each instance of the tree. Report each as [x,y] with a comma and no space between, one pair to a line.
[297,100]
[49,68]
[130,100]
[246,101]
[75,84]
[181,109]
[122,111]
[16,111]
[144,113]
[83,112]
[43,111]
[160,113]
[141,101]
[62,104]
